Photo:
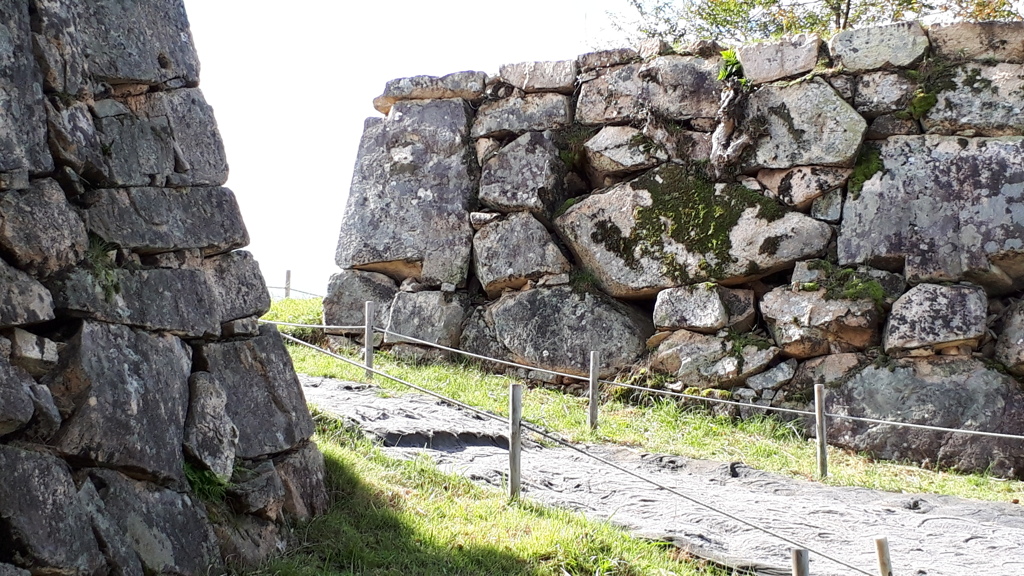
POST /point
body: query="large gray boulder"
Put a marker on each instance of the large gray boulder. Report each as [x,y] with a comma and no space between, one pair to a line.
[154,220]
[74,141]
[199,158]
[39,230]
[467,85]
[302,474]
[264,397]
[682,87]
[803,124]
[943,208]
[557,76]
[985,41]
[122,560]
[621,150]
[510,252]
[408,208]
[697,307]
[59,47]
[44,526]
[934,317]
[527,174]
[613,97]
[984,100]
[347,295]
[784,58]
[431,316]
[124,394]
[951,392]
[1010,345]
[237,286]
[515,115]
[670,227]
[22,115]
[898,45]
[806,323]
[882,92]
[210,435]
[23,300]
[705,361]
[138,149]
[16,404]
[557,328]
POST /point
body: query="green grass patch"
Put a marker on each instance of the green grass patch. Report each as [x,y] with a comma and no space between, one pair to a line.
[299,311]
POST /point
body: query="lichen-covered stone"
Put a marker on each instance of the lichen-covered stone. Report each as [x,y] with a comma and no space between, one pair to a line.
[16,407]
[264,397]
[681,87]
[435,317]
[803,124]
[896,45]
[73,139]
[697,307]
[741,306]
[510,252]
[933,317]
[248,541]
[670,227]
[59,47]
[773,378]
[347,295]
[620,150]
[706,361]
[681,145]
[942,208]
[413,180]
[606,58]
[23,300]
[985,41]
[888,125]
[527,174]
[516,115]
[258,491]
[800,187]
[784,58]
[467,85]
[22,115]
[138,150]
[237,284]
[124,395]
[984,100]
[1010,346]
[303,474]
[556,76]
[806,323]
[882,92]
[122,560]
[154,220]
[39,230]
[210,435]
[43,524]
[613,97]
[34,354]
[557,328]
[199,158]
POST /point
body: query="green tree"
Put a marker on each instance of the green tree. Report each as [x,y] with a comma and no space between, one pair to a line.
[680,21]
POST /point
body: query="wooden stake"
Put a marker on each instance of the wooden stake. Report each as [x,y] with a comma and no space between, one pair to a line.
[515,440]
[801,562]
[595,391]
[819,428]
[369,314]
[884,562]
[287,283]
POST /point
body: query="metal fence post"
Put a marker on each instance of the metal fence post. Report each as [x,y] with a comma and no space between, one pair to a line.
[287,283]
[368,311]
[801,562]
[820,429]
[595,391]
[884,562]
[515,439]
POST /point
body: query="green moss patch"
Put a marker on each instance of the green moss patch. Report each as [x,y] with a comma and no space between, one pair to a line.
[847,283]
[868,164]
[686,208]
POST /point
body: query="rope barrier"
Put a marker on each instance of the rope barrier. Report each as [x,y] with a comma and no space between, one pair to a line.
[321,326]
[717,400]
[540,432]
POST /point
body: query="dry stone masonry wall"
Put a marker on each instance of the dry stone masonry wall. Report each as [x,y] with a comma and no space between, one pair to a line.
[849,213]
[134,378]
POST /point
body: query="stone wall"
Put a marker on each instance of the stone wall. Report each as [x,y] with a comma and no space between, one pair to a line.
[747,224]
[133,373]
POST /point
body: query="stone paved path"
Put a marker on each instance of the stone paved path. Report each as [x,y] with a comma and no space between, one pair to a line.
[928,534]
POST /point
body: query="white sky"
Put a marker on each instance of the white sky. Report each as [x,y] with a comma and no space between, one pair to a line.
[292,82]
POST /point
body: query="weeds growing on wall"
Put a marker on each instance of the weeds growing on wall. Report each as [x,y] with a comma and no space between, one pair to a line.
[869,163]
[103,266]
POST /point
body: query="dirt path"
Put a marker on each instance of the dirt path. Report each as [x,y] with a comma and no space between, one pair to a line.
[928,534]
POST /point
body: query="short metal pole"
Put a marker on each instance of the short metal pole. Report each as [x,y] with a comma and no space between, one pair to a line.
[515,440]
[820,429]
[368,311]
[595,391]
[287,283]
[801,562]
[884,562]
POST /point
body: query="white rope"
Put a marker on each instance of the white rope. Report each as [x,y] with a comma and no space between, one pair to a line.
[321,326]
[718,400]
[539,431]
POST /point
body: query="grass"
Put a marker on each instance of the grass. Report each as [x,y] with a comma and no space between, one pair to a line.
[299,311]
[405,517]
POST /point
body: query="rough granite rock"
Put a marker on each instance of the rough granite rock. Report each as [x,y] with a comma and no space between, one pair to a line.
[39,230]
[408,208]
[347,295]
[258,491]
[943,209]
[888,125]
[199,158]
[23,300]
[985,100]
[828,207]
[431,316]
[73,139]
[741,306]
[516,115]
[606,58]
[773,378]
[805,324]
[613,97]
[478,337]
[210,435]
[46,421]
[239,290]
[620,150]
[705,361]
[122,560]
[527,174]
[786,57]
[510,252]
[697,307]
[882,92]
[557,328]
[124,397]
[138,150]
[933,317]
[682,146]
[986,41]
[302,474]
[800,187]
[22,114]
[154,220]
[623,237]
[946,391]
[170,533]
[248,541]
[804,124]
[468,85]
[59,50]
[264,398]
[34,354]
[43,524]
[898,45]
[1010,345]
[681,87]
[16,406]
[557,76]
